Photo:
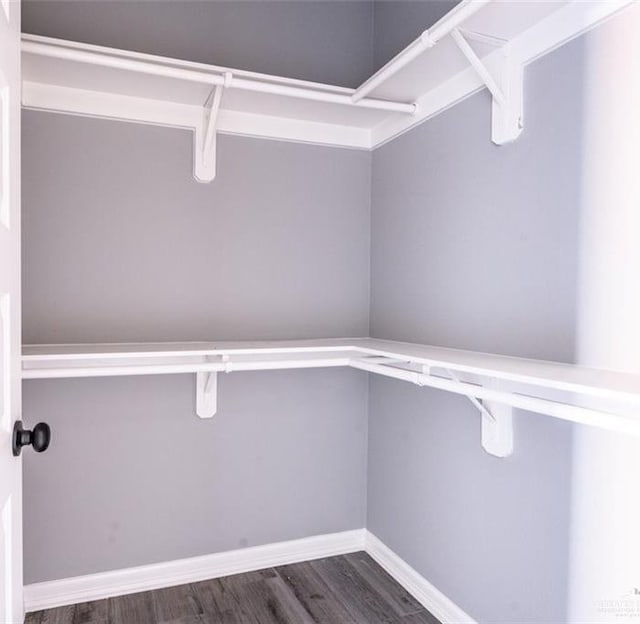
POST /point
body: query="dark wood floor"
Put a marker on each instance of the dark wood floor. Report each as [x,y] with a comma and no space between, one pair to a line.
[350,589]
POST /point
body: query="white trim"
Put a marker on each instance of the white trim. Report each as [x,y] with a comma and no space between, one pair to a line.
[156,576]
[424,592]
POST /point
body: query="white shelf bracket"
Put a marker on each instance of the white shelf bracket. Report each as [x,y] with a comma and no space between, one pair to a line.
[497,428]
[497,422]
[506,91]
[205,139]
[206,394]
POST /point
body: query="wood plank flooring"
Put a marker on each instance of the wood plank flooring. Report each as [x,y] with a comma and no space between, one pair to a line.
[349,589]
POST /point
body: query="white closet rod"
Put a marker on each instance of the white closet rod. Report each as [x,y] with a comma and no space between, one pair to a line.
[426,40]
[214,80]
[563,411]
[202,367]
[556,409]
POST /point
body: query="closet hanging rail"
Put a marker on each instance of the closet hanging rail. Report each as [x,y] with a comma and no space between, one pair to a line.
[556,409]
[214,80]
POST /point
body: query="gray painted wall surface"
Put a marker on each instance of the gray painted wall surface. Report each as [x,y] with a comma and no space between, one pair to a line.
[311,39]
[475,246]
[397,23]
[121,244]
[133,476]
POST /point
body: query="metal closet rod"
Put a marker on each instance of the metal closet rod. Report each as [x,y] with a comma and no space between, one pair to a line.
[426,40]
[225,79]
[556,409]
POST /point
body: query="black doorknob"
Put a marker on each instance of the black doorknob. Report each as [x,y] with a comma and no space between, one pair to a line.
[39,437]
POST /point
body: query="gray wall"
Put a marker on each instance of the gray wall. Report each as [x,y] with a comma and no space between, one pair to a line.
[120,243]
[133,476]
[308,39]
[475,246]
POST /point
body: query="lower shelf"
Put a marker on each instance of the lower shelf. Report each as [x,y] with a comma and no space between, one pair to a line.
[589,396]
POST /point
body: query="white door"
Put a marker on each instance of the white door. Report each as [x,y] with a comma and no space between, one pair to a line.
[11,603]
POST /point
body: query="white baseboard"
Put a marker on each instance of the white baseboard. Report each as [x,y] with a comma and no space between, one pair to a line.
[424,592]
[158,575]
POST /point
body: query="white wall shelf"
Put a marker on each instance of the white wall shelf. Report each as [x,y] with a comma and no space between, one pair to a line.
[600,398]
[480,43]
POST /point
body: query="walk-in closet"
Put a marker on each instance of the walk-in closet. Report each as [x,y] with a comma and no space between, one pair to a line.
[319,311]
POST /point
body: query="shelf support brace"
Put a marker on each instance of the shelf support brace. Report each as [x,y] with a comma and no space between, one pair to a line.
[497,428]
[506,92]
[206,134]
[497,422]
[206,394]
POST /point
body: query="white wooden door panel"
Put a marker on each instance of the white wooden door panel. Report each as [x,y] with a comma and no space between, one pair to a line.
[11,603]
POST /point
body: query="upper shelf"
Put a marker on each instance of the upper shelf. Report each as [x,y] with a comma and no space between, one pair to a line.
[467,49]
[76,77]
